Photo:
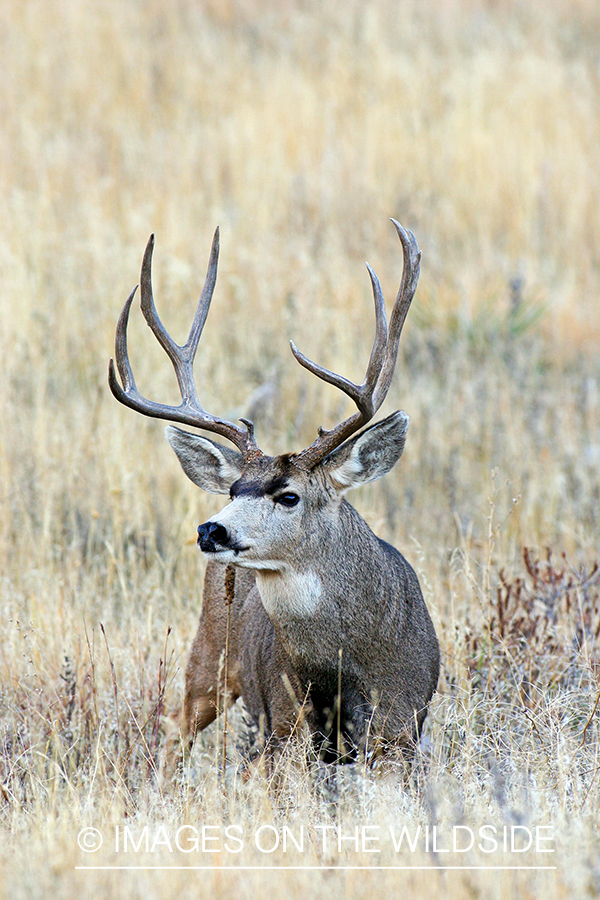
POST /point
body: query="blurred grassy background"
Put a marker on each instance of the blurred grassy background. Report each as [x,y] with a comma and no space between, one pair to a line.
[299,128]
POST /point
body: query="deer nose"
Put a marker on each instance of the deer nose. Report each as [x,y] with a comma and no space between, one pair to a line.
[210,534]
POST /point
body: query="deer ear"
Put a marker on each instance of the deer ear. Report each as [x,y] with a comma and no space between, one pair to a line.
[369,455]
[211,466]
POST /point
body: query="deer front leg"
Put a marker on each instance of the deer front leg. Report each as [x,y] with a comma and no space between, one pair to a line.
[205,687]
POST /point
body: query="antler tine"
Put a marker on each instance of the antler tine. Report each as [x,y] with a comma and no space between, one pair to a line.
[406,292]
[369,395]
[381,338]
[360,394]
[205,297]
[122,356]
[182,357]
[190,411]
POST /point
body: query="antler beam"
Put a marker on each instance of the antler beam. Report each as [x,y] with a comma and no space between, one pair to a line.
[369,395]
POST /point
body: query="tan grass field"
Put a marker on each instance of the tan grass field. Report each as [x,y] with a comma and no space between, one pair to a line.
[300,128]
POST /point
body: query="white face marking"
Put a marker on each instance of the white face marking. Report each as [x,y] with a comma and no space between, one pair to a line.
[260,530]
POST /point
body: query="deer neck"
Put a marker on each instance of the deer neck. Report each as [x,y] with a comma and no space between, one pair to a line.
[308,600]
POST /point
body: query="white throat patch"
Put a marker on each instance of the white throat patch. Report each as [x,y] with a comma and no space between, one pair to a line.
[287,592]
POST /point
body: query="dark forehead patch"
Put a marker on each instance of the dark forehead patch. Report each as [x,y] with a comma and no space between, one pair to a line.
[246,489]
[265,483]
[242,488]
[276,484]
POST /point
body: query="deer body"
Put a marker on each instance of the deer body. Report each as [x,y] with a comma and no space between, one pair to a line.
[324,583]
[326,621]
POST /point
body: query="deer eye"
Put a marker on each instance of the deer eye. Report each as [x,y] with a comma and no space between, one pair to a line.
[288,500]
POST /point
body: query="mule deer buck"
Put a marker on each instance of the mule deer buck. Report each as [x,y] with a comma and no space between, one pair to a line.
[325,619]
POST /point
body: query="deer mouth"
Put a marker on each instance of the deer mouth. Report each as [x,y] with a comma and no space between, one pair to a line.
[223,554]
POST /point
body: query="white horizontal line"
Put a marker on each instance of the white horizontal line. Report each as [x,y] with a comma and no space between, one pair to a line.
[319,868]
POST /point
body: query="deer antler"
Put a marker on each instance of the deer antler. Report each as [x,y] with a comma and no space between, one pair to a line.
[190,411]
[369,395]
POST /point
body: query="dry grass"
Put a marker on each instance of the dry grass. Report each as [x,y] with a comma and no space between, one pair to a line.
[299,128]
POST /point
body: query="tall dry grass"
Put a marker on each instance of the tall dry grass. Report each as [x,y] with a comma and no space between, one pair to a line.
[299,128]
